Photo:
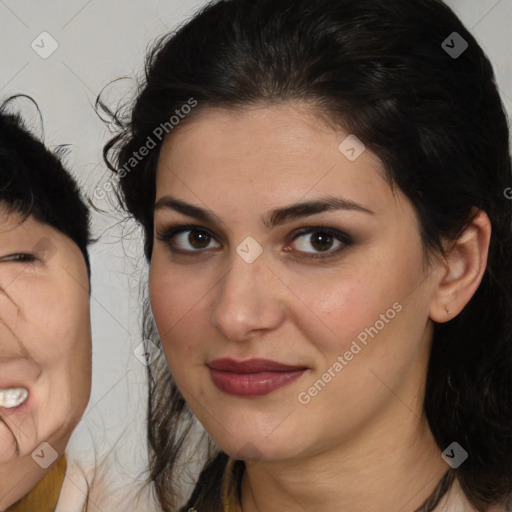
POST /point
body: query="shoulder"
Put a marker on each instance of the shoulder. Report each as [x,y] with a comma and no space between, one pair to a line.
[75,488]
[86,487]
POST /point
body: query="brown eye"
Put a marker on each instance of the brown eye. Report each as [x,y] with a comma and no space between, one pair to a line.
[320,242]
[199,239]
[188,239]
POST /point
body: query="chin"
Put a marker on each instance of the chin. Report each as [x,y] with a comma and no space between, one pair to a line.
[258,447]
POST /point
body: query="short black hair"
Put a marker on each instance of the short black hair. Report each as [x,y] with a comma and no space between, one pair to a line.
[33,181]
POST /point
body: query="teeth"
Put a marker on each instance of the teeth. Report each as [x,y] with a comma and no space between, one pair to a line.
[13,397]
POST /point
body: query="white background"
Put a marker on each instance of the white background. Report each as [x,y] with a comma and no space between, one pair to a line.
[99,41]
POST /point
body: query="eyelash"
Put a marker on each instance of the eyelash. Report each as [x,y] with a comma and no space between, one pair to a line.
[168,234]
[18,258]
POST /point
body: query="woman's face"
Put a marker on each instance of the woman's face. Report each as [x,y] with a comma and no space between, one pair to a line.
[45,348]
[291,248]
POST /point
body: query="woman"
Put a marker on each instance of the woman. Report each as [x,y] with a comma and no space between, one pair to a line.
[45,347]
[321,189]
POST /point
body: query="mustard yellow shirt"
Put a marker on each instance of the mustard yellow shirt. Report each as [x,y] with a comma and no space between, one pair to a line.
[45,495]
[231,486]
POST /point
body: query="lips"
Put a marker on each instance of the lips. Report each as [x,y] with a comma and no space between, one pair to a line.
[253,377]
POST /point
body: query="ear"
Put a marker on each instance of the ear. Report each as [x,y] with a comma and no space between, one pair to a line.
[465,264]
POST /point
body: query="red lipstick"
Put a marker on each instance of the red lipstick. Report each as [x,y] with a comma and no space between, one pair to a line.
[252,377]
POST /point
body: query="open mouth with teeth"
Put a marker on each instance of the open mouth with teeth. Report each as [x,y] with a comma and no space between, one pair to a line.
[13,397]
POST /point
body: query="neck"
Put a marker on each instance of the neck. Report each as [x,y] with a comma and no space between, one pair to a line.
[388,466]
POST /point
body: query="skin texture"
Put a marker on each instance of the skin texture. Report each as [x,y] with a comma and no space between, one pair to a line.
[45,346]
[363,440]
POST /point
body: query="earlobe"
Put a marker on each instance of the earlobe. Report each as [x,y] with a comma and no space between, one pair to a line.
[465,264]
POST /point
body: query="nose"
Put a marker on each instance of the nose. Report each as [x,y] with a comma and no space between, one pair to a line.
[248,300]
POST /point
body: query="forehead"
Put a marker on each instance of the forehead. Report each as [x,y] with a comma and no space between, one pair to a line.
[11,220]
[24,232]
[274,154]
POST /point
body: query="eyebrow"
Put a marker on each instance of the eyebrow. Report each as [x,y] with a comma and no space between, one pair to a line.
[273,218]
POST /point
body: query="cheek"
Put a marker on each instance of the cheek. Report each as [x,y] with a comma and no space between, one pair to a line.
[332,310]
[178,299]
[58,317]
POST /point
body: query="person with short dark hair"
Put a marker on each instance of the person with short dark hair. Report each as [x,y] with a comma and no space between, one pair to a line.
[45,333]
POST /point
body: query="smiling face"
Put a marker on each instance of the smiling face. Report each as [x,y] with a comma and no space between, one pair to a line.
[344,267]
[45,347]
